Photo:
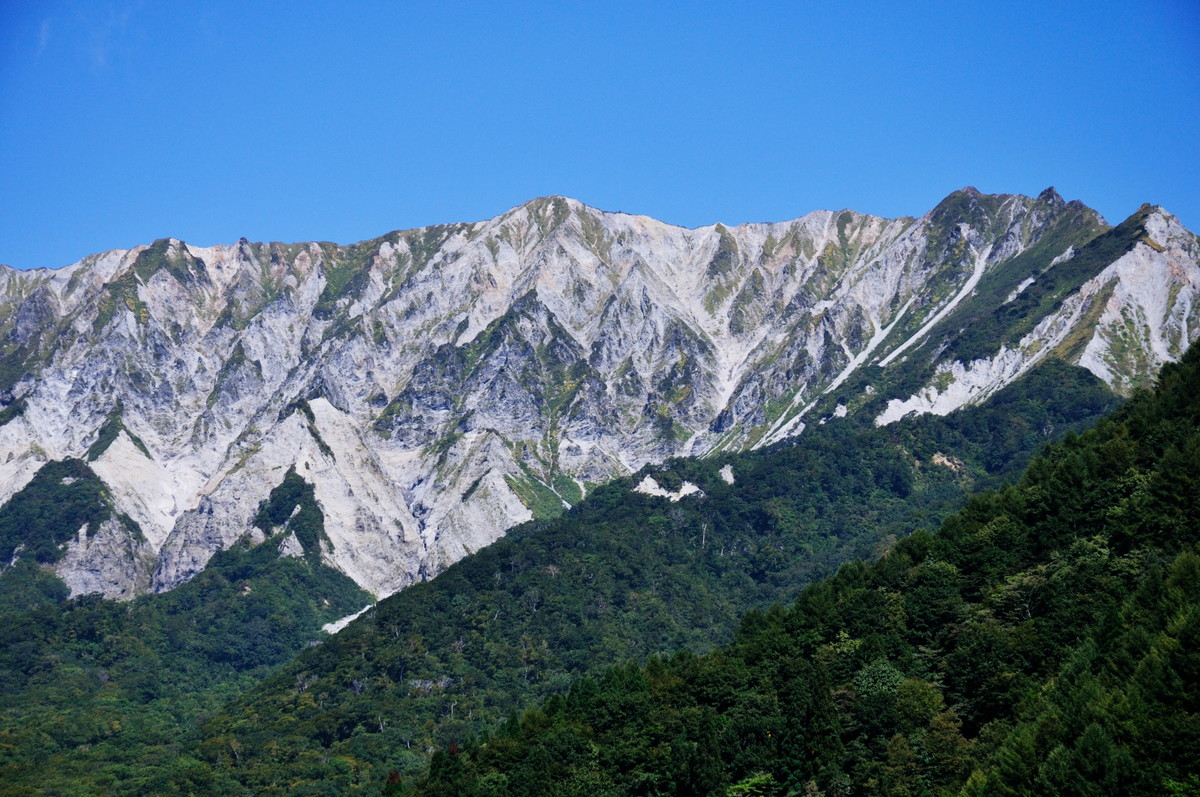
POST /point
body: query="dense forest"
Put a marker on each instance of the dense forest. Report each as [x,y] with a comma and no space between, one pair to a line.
[98,695]
[143,697]
[620,577]
[1046,640]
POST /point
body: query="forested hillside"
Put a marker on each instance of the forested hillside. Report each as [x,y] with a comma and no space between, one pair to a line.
[1045,641]
[109,698]
[621,576]
[96,695]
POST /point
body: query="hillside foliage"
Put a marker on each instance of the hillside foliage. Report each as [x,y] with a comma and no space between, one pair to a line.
[1044,641]
[98,697]
[618,578]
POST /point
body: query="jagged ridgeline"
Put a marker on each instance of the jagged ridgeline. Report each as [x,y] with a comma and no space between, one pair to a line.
[100,698]
[440,385]
[1045,641]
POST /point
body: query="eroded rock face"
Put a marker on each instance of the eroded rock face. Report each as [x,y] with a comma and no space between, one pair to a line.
[437,386]
[115,562]
[1122,324]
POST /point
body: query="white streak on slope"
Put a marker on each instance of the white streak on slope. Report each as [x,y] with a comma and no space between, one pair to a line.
[782,430]
[976,274]
[862,356]
[338,625]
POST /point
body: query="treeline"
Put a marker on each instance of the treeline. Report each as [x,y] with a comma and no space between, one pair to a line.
[1045,641]
[109,698]
[620,577]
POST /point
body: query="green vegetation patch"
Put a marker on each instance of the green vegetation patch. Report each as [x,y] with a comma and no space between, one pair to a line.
[548,213]
[113,426]
[539,499]
[181,265]
[347,273]
[120,295]
[742,314]
[12,411]
[293,506]
[62,498]
[725,259]
[595,236]
[15,362]
[568,489]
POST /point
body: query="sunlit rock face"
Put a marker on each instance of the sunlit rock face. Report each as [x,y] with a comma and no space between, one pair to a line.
[437,386]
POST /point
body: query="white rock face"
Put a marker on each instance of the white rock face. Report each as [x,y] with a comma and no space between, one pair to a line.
[290,547]
[113,562]
[438,386]
[141,487]
[1149,317]
[648,486]
[1151,314]
[339,624]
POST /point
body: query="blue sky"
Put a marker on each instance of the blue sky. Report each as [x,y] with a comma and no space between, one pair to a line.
[122,122]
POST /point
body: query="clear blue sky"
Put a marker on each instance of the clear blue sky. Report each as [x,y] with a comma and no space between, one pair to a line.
[122,122]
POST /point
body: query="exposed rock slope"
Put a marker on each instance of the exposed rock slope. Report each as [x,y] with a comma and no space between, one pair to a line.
[438,385]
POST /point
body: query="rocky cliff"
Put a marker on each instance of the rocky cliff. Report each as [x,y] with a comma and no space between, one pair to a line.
[437,386]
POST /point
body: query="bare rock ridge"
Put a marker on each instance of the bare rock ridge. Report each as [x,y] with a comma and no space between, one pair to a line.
[438,385]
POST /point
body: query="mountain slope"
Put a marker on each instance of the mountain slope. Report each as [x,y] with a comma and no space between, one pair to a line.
[624,574]
[621,576]
[96,695]
[1043,642]
[437,386]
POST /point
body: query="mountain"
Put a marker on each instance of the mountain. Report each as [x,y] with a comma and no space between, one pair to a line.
[1044,642]
[436,386]
[174,692]
[622,576]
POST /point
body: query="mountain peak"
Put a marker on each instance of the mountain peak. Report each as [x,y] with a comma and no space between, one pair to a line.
[1051,195]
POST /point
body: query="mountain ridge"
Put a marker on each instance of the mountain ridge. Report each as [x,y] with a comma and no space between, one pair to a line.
[441,384]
